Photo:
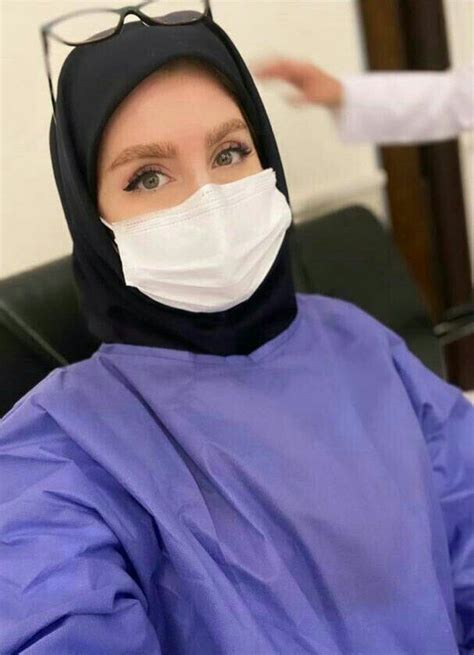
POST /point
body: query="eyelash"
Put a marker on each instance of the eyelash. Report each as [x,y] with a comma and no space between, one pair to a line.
[240,148]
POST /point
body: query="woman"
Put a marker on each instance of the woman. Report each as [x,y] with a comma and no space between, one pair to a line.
[236,469]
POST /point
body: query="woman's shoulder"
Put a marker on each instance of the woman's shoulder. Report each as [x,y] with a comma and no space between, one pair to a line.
[57,380]
[358,339]
[34,420]
[52,438]
[341,319]
[35,445]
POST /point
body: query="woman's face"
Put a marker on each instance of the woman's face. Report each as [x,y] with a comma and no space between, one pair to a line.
[174,133]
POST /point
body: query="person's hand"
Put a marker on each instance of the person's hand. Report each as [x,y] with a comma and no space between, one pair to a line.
[314,85]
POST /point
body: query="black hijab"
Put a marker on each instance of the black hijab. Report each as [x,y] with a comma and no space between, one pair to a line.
[93,81]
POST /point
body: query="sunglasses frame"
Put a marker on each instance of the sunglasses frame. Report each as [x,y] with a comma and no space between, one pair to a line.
[136,10]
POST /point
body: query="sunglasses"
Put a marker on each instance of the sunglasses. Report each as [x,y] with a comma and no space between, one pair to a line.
[73,29]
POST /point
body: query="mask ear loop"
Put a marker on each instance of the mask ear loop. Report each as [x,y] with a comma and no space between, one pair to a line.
[105,223]
[110,234]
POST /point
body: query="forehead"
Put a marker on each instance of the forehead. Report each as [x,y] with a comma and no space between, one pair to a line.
[172,104]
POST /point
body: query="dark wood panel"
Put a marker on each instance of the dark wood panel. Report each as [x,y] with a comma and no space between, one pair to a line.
[424,27]
[427,49]
[459,362]
[408,196]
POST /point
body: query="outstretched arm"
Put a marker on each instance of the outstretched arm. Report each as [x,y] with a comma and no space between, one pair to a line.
[389,107]
[406,107]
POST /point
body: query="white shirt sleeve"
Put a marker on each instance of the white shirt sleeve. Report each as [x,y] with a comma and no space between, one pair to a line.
[406,107]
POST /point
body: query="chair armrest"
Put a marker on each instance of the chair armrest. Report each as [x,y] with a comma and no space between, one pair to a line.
[457,322]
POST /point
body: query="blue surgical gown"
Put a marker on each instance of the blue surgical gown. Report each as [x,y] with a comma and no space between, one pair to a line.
[314,497]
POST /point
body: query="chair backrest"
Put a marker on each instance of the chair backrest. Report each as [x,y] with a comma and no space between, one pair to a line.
[346,254]
[41,327]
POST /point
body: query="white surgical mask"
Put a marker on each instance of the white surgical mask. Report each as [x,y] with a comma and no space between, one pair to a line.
[212,251]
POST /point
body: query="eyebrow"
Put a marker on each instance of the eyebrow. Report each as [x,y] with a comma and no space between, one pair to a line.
[166,150]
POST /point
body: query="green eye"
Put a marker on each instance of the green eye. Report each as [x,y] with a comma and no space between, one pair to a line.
[145,176]
[239,149]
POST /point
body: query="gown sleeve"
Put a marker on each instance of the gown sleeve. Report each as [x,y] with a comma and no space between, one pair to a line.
[406,107]
[447,420]
[65,585]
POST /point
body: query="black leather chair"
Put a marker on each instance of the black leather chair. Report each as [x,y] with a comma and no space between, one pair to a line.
[346,254]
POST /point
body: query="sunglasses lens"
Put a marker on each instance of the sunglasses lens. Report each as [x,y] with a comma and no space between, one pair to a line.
[180,17]
[173,12]
[88,27]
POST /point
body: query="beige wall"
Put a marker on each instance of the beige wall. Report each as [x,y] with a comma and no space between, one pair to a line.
[32,227]
[321,172]
[460,27]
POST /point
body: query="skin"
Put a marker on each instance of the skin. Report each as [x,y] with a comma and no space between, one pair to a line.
[180,107]
[314,85]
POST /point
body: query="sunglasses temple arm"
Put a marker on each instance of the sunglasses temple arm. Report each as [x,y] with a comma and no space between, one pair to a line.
[48,70]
